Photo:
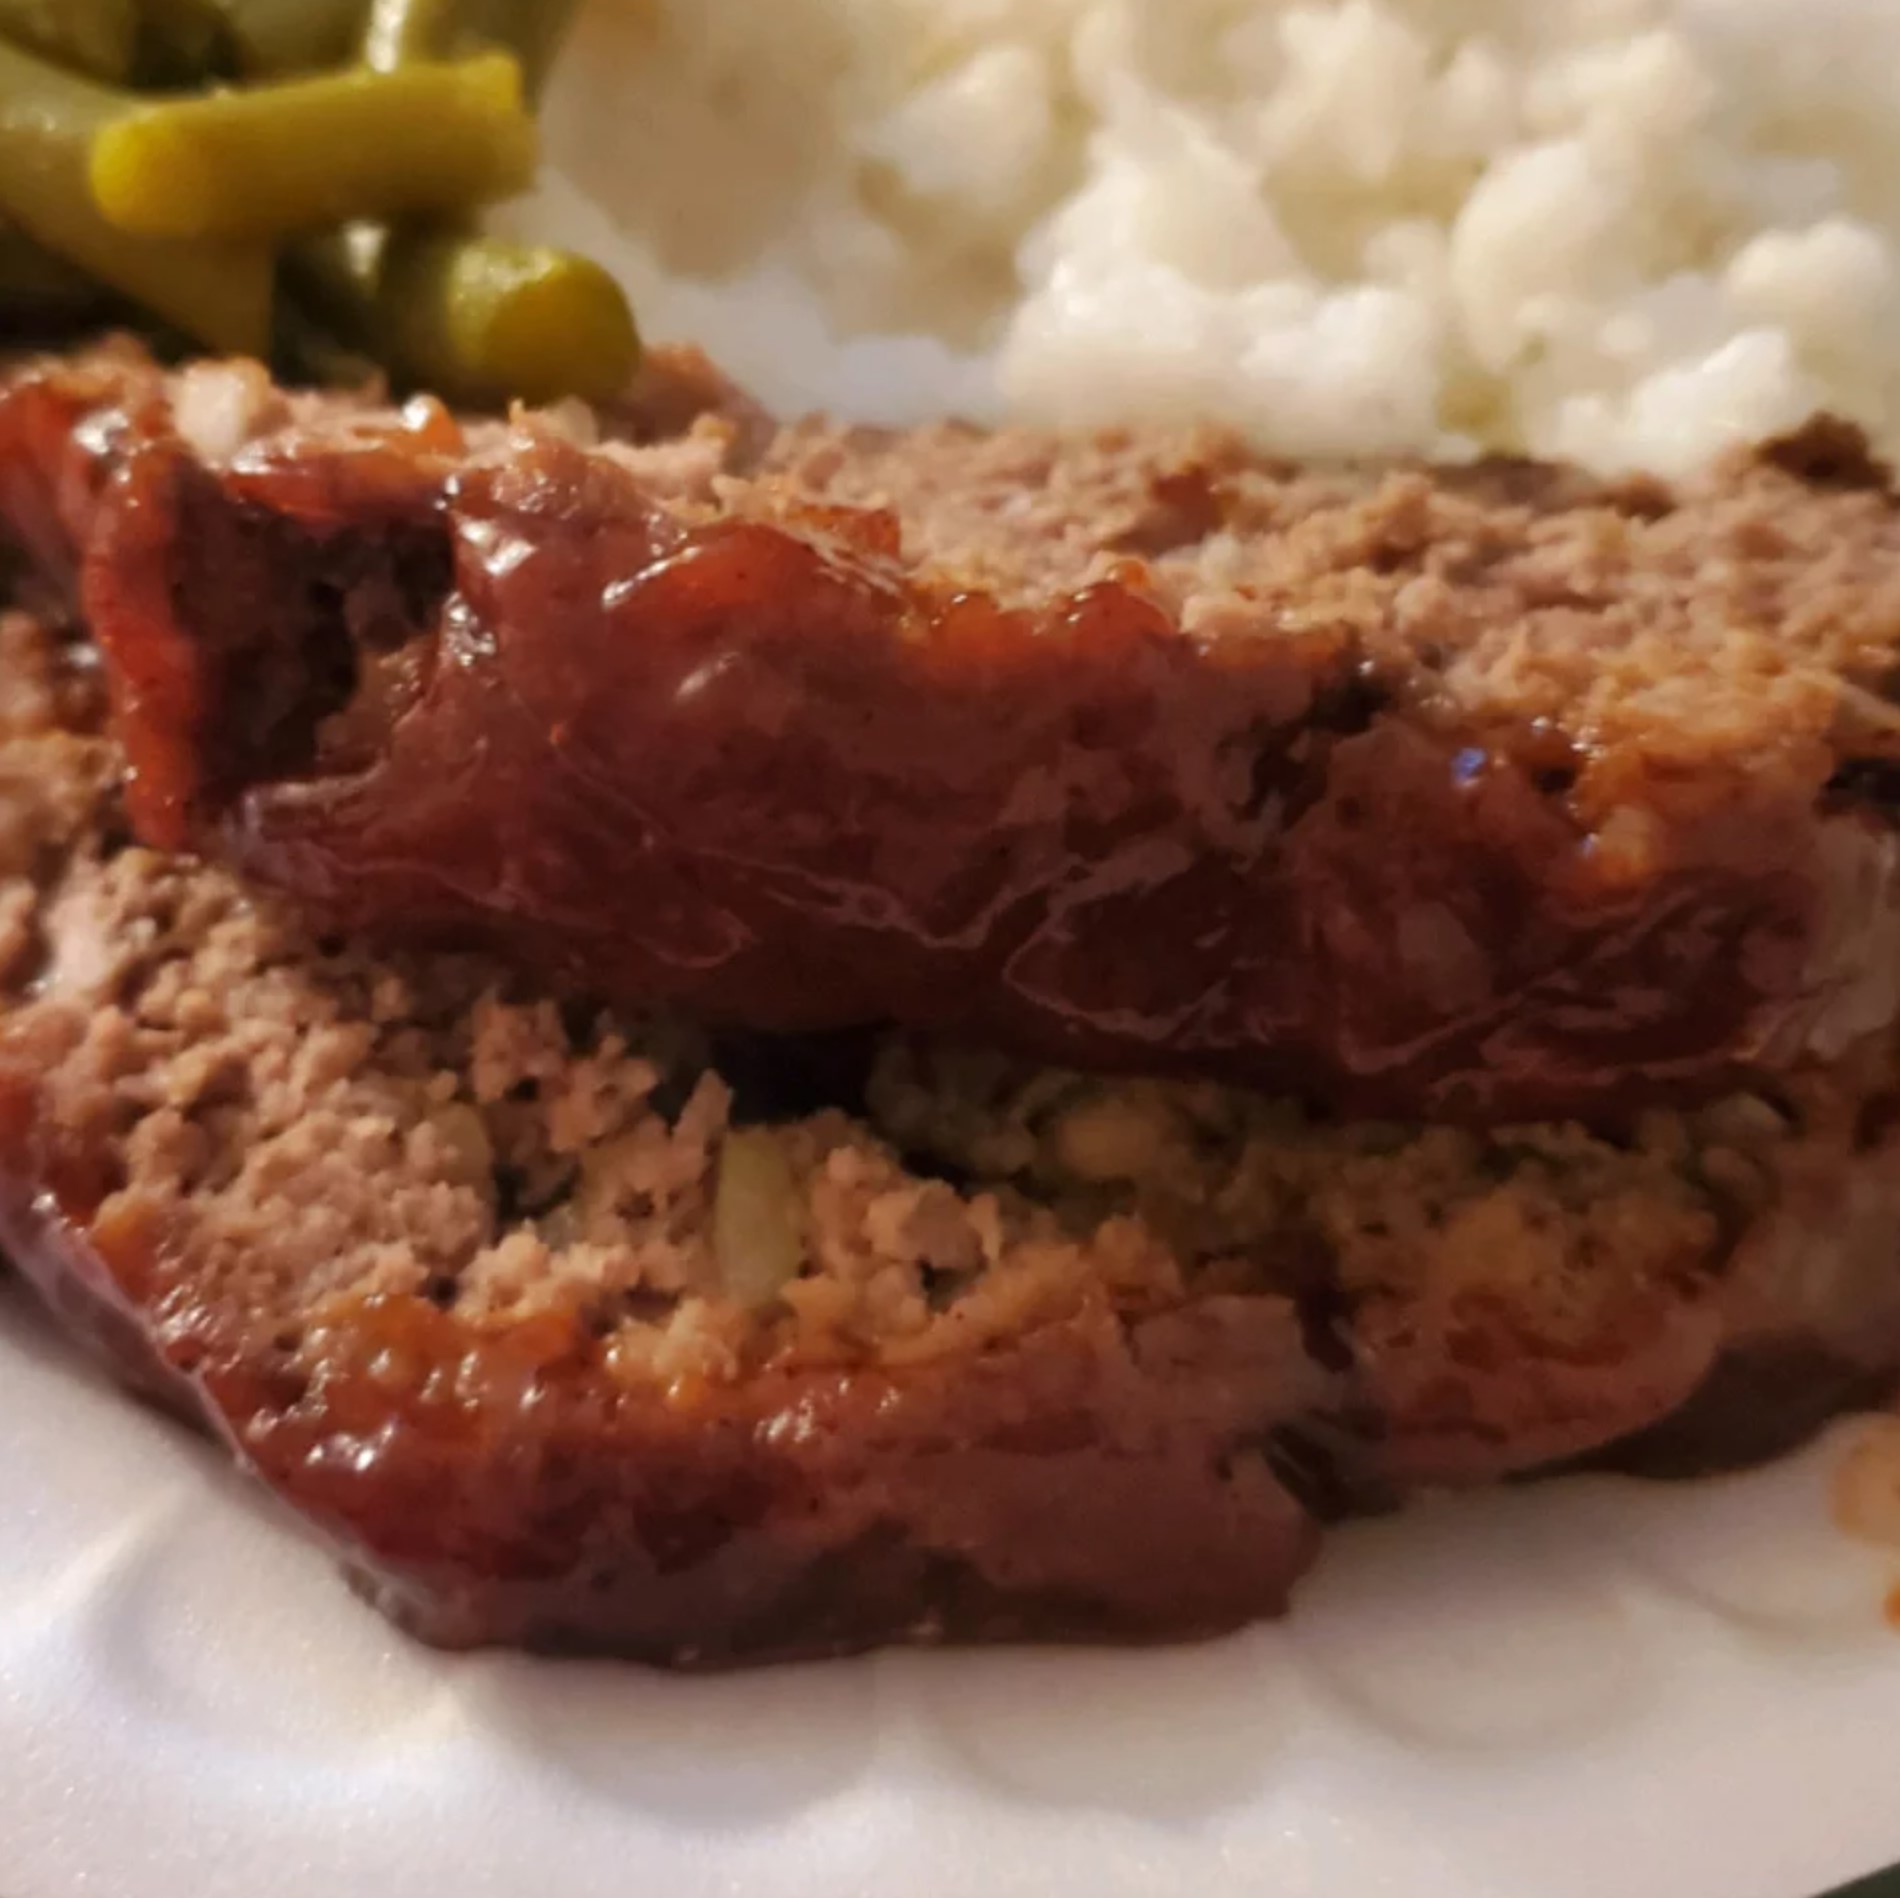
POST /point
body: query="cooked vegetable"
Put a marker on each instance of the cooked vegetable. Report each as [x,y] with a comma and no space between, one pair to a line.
[99,37]
[271,160]
[404,30]
[475,318]
[359,177]
[217,293]
[758,1218]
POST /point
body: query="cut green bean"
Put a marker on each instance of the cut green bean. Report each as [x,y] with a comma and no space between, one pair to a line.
[402,31]
[272,160]
[217,293]
[98,37]
[368,172]
[476,319]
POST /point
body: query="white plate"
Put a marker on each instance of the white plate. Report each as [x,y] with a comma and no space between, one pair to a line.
[1587,1689]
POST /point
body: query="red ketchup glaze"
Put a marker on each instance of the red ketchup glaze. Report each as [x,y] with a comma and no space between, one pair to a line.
[497,1482]
[754,769]
[60,440]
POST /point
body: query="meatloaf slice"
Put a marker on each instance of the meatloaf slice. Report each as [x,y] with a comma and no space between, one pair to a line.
[569,1330]
[1483,793]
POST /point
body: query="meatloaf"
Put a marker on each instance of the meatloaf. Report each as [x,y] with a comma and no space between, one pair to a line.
[629,1302]
[1488,793]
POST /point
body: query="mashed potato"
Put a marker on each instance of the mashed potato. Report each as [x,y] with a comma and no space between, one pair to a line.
[1628,231]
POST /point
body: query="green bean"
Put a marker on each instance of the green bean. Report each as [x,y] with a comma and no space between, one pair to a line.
[98,37]
[217,293]
[476,319]
[401,31]
[304,154]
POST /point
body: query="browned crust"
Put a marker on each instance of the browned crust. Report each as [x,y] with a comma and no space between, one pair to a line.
[1110,1474]
[1493,793]
[1106,1476]
[1100,1477]
[1096,1479]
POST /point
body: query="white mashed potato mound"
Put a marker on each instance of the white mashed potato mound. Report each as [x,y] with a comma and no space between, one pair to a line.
[1625,231]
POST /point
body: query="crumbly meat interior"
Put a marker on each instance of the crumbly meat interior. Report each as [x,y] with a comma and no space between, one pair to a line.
[1751,618]
[1744,625]
[303,1122]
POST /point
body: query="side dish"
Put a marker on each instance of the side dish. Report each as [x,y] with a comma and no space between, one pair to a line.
[297,180]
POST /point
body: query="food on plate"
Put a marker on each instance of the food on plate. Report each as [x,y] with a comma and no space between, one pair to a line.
[423,140]
[1628,233]
[1484,792]
[643,1170]
[308,194]
[712,1038]
[218,293]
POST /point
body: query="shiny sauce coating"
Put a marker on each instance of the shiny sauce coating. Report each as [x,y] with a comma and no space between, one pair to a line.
[757,768]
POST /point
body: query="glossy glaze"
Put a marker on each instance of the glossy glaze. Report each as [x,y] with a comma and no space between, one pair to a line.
[497,1483]
[759,770]
[756,774]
